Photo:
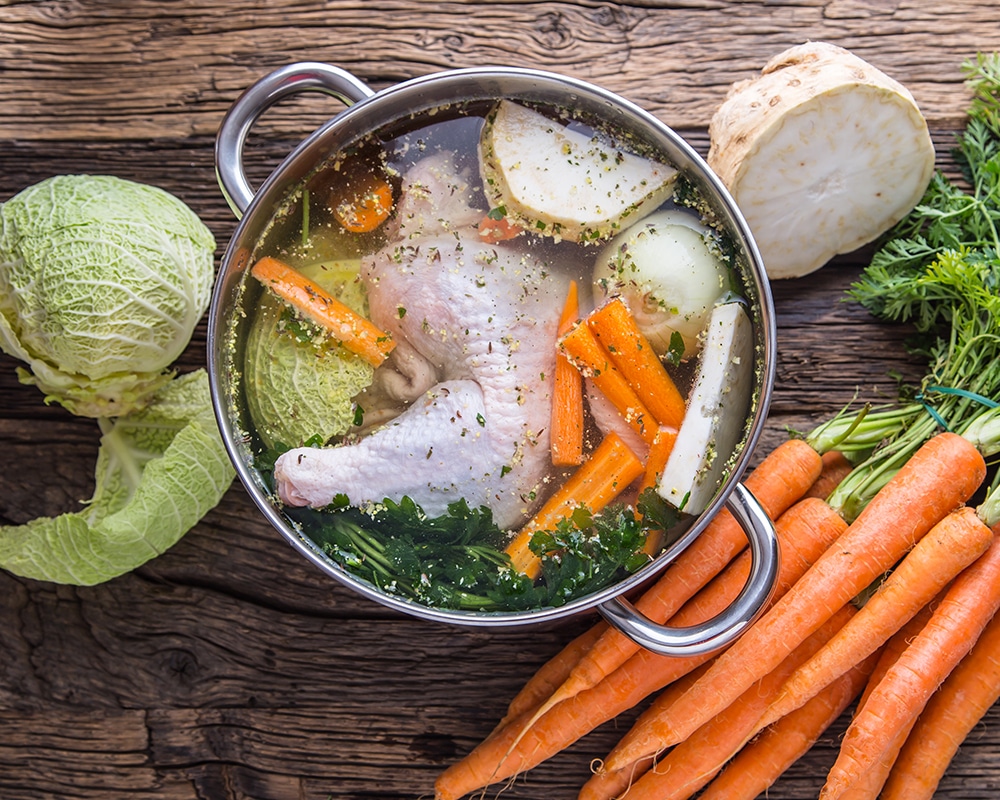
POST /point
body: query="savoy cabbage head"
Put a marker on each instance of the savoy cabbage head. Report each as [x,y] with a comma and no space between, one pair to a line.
[102,281]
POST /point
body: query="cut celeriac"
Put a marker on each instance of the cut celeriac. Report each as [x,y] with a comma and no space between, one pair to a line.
[822,153]
[562,182]
[716,416]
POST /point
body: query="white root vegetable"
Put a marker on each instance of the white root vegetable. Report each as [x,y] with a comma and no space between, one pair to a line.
[669,273]
[559,181]
[717,412]
[822,153]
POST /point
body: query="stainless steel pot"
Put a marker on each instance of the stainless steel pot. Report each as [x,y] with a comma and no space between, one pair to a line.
[368,111]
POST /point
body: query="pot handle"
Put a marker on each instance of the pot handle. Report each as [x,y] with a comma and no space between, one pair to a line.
[291,79]
[726,626]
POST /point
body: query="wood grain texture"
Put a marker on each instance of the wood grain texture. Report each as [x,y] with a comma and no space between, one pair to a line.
[230,667]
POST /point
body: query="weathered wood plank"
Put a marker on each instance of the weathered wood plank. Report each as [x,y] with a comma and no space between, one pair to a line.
[152,70]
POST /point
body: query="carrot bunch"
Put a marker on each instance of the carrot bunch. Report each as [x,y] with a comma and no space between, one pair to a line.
[916,658]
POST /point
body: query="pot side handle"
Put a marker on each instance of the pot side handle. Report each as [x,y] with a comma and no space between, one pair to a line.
[728,625]
[283,82]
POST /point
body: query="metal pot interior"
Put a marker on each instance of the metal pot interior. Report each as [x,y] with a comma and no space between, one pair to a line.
[276,214]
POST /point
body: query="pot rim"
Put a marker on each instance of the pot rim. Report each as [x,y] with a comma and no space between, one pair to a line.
[302,160]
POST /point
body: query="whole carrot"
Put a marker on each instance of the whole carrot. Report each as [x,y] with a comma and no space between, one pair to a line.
[757,766]
[939,477]
[835,469]
[804,532]
[948,548]
[968,605]
[778,482]
[686,768]
[951,713]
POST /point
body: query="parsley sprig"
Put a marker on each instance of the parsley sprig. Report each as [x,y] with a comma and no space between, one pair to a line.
[938,270]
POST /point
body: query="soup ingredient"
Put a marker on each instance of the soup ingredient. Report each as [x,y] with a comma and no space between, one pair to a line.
[656,460]
[717,412]
[300,383]
[615,328]
[362,203]
[940,476]
[582,348]
[102,281]
[553,179]
[670,273]
[159,470]
[948,548]
[824,143]
[901,694]
[804,533]
[484,317]
[567,418]
[757,766]
[606,473]
[950,715]
[355,332]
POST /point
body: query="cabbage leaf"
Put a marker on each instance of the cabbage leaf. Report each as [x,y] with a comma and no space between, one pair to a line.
[159,471]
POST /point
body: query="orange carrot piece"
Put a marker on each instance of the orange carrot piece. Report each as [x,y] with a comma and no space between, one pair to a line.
[566,424]
[608,471]
[362,204]
[940,476]
[356,333]
[582,348]
[493,230]
[835,469]
[551,674]
[694,762]
[948,548]
[778,482]
[900,696]
[804,532]
[656,460]
[757,766]
[615,328]
[950,715]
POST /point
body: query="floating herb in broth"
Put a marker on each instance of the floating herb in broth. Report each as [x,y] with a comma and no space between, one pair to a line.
[427,465]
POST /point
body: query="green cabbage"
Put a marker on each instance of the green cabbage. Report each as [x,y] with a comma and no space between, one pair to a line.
[300,383]
[159,470]
[102,281]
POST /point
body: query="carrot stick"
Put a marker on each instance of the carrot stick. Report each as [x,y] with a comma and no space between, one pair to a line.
[777,483]
[566,424]
[948,548]
[757,766]
[583,350]
[950,715]
[900,696]
[940,476]
[614,327]
[600,479]
[804,532]
[835,469]
[494,230]
[656,460]
[695,761]
[551,674]
[352,330]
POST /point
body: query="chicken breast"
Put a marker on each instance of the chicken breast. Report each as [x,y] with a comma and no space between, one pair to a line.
[480,321]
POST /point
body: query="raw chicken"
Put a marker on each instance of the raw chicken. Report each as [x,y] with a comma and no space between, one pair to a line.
[476,325]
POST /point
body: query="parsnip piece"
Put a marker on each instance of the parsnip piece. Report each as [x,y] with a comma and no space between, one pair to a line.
[822,153]
[558,181]
[717,412]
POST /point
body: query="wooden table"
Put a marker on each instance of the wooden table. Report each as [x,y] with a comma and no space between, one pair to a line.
[229,667]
